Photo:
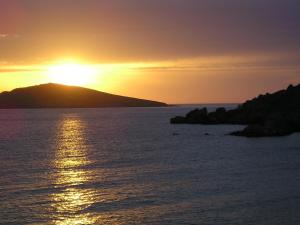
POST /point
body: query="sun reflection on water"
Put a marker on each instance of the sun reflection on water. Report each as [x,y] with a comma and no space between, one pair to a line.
[70,160]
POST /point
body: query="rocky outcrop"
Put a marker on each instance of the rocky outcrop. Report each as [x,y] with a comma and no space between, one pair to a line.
[276,114]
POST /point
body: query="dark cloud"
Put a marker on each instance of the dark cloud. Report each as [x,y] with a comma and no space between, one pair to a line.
[139,30]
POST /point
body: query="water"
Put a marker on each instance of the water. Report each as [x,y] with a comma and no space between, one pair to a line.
[130,166]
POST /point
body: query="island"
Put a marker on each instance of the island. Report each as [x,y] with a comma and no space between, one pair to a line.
[62,96]
[276,114]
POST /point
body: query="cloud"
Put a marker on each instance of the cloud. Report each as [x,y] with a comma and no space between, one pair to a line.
[7,36]
[6,67]
[242,63]
[3,36]
[143,30]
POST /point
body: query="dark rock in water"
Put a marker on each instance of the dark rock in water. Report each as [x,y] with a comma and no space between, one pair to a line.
[197,116]
[219,116]
[276,114]
[178,120]
[251,131]
[256,130]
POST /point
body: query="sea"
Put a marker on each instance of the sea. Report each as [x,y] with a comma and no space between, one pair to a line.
[131,166]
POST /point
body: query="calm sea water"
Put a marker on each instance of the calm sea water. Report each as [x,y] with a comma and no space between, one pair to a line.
[130,166]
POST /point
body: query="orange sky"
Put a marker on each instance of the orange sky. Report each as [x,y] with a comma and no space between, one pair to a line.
[174,51]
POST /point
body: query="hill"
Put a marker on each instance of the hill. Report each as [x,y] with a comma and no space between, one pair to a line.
[274,114]
[62,96]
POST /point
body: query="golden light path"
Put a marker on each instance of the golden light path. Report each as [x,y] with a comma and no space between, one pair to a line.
[70,159]
[73,180]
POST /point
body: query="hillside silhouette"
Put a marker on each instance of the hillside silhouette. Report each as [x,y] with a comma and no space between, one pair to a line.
[275,114]
[61,96]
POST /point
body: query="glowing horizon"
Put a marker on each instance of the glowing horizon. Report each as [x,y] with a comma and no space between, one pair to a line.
[171,51]
[157,80]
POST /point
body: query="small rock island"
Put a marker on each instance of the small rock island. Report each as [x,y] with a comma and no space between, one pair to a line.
[63,96]
[276,114]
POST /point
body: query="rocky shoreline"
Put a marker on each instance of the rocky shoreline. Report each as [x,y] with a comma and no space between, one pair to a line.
[276,114]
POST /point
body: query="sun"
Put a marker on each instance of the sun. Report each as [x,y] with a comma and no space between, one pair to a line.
[72,74]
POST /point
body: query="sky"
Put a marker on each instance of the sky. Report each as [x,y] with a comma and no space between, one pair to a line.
[176,51]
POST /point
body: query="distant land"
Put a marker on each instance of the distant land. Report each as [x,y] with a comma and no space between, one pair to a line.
[61,96]
[276,114]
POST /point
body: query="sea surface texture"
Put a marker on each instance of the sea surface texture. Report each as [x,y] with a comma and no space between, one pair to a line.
[131,166]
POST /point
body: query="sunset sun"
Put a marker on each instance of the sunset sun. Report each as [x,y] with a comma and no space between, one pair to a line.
[72,74]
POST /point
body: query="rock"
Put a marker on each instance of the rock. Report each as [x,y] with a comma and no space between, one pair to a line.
[197,113]
[217,117]
[278,125]
[221,110]
[274,114]
[275,125]
[178,120]
[197,116]
[251,131]
[193,117]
